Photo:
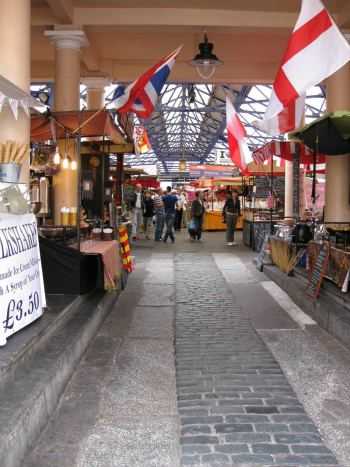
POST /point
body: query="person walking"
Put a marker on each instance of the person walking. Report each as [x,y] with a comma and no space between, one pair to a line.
[231,212]
[136,204]
[197,214]
[169,201]
[179,211]
[158,207]
[147,213]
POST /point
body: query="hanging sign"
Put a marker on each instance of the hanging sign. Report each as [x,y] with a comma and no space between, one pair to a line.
[22,295]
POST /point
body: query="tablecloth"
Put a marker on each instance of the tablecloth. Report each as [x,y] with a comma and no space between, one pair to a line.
[110,253]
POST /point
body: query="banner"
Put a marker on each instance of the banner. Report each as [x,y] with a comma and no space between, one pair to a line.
[211,171]
[22,294]
[141,140]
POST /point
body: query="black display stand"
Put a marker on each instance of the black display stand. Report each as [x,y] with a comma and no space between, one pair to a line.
[68,271]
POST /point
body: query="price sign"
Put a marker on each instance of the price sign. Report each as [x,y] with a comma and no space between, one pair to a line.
[318,271]
[22,295]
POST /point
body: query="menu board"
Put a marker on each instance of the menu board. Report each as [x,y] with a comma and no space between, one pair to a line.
[318,271]
[263,186]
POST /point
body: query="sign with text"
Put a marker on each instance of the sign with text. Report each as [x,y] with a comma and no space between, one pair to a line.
[22,295]
[318,270]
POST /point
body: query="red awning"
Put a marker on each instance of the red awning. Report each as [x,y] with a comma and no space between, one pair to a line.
[285,150]
[59,125]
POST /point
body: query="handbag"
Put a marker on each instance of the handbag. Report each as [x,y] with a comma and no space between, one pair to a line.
[192,226]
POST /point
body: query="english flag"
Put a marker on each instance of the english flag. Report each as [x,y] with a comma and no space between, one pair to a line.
[141,96]
[236,136]
[290,119]
[315,51]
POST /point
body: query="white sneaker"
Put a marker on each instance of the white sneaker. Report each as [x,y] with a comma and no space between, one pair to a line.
[230,244]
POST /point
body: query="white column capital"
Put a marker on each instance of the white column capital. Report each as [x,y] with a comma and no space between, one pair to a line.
[96,82]
[67,39]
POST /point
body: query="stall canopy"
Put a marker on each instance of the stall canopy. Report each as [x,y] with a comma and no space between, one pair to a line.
[285,150]
[16,98]
[59,125]
[263,169]
[329,134]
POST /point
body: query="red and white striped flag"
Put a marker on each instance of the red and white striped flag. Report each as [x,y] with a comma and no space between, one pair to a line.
[290,119]
[315,51]
[236,136]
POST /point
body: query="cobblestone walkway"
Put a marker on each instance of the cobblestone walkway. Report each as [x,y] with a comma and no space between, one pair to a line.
[236,406]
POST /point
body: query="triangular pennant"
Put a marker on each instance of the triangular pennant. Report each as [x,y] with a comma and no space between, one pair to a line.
[25,106]
[2,101]
[14,107]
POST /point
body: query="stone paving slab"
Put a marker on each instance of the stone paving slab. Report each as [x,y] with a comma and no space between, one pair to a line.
[119,409]
[236,406]
[153,322]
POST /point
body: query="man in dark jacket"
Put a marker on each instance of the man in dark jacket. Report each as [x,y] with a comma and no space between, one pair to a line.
[169,201]
[197,214]
[231,212]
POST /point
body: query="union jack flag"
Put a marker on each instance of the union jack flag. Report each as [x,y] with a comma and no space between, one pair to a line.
[141,96]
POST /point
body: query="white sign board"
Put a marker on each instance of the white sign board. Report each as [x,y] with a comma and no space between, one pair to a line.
[22,294]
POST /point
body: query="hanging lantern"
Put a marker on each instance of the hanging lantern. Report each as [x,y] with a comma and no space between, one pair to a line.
[182,165]
[57,157]
[206,62]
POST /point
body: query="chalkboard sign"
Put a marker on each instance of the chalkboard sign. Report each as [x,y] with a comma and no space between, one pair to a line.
[263,187]
[318,271]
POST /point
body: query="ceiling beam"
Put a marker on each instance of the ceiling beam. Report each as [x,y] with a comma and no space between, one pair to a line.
[190,17]
[63,10]
[344,15]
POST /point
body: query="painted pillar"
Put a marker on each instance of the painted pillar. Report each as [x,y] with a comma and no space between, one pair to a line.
[67,97]
[95,91]
[15,23]
[288,191]
[337,207]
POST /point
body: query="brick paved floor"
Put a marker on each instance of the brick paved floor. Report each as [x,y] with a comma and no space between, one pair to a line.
[236,406]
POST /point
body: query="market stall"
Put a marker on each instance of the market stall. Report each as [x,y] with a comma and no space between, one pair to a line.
[92,221]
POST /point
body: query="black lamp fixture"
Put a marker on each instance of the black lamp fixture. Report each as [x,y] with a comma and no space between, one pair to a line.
[206,62]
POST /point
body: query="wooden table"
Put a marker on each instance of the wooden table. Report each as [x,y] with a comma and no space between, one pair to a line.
[110,253]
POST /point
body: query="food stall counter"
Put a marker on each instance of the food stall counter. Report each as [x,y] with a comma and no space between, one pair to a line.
[213,220]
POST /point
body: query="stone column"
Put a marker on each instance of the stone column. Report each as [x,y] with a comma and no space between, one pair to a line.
[15,23]
[288,191]
[95,91]
[337,207]
[67,97]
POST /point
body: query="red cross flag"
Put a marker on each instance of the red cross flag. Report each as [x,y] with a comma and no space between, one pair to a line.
[236,136]
[315,51]
[290,119]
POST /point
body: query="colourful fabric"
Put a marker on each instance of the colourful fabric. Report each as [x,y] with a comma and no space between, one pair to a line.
[109,251]
[141,96]
[236,136]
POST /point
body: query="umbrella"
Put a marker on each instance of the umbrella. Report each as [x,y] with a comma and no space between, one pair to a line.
[329,134]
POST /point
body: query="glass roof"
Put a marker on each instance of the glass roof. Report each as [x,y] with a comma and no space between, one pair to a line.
[189,121]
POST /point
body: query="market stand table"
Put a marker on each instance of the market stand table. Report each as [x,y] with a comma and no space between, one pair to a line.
[338,264]
[109,251]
